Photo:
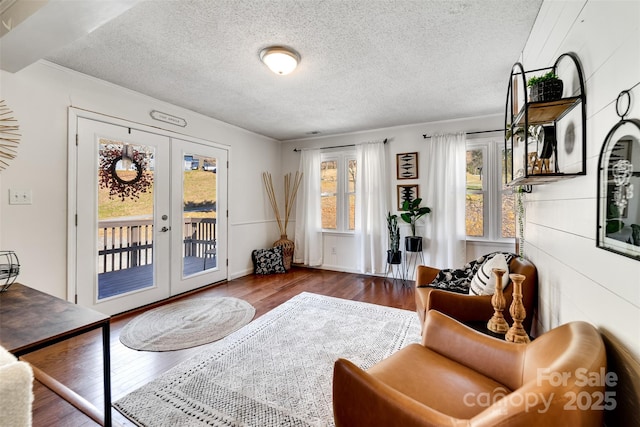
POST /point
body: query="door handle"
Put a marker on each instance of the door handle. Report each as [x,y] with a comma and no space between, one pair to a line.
[165,229]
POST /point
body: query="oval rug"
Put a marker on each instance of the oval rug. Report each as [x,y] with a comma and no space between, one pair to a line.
[186,324]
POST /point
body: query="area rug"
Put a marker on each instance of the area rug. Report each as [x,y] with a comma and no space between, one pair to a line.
[187,323]
[277,370]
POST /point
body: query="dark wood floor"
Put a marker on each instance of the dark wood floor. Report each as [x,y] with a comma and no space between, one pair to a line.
[77,363]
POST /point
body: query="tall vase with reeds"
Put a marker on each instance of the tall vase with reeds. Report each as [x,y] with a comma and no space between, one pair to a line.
[290,191]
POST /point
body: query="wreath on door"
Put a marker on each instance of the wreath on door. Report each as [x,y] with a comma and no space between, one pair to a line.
[121,179]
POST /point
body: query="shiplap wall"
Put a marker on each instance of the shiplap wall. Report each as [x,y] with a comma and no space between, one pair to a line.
[578,280]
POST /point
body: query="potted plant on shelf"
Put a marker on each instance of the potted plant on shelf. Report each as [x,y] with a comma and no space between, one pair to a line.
[547,87]
[412,212]
[394,256]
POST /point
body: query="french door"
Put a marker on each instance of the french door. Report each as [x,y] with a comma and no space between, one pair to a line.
[147,215]
[199,215]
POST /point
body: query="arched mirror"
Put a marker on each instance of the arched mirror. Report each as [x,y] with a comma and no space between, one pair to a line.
[619,187]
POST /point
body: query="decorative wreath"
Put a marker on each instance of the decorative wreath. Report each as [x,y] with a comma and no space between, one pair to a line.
[9,136]
[109,158]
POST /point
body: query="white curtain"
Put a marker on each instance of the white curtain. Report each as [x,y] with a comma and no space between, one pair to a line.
[445,194]
[308,234]
[371,207]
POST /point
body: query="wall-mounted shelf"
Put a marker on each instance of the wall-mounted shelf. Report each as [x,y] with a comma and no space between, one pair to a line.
[535,157]
[547,112]
[540,179]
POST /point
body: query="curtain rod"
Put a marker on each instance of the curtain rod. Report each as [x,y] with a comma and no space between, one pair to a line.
[337,146]
[425,136]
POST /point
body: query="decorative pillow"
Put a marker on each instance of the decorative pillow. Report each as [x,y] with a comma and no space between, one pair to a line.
[455,279]
[459,280]
[268,261]
[484,281]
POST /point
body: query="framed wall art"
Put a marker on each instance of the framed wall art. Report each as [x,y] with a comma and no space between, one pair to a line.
[408,193]
[407,165]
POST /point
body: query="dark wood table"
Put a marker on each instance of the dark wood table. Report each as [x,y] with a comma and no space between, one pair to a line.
[31,320]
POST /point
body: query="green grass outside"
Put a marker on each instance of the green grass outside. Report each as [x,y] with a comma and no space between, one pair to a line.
[199,189]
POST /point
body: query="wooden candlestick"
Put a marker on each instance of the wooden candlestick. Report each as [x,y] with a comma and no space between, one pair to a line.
[517,333]
[497,323]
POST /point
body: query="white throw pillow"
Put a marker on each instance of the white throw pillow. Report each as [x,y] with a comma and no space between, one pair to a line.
[484,281]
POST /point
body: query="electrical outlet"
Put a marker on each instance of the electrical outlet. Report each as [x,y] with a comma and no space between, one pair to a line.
[19,197]
[333,250]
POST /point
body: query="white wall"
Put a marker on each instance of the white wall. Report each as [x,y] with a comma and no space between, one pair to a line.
[401,139]
[577,280]
[40,96]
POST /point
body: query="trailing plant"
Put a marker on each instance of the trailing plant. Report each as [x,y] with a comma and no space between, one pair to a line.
[394,232]
[518,131]
[539,79]
[412,212]
[520,213]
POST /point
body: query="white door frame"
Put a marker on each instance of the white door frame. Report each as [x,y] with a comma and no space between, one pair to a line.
[74,114]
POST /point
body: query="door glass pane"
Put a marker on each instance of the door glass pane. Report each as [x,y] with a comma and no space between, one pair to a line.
[199,194]
[329,189]
[125,217]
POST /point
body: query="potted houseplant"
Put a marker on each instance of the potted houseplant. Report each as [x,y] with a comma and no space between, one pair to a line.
[412,212]
[547,87]
[394,256]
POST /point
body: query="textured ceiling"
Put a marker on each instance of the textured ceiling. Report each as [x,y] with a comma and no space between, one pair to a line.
[366,64]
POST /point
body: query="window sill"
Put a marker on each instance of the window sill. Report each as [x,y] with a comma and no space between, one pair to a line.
[480,240]
[338,233]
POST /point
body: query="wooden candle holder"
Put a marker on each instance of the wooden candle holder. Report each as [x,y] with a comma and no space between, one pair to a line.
[497,324]
[517,333]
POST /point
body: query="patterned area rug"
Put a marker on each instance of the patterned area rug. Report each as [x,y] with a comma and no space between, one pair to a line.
[277,370]
[186,323]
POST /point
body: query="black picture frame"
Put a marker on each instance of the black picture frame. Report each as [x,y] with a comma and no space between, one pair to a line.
[407,192]
[407,165]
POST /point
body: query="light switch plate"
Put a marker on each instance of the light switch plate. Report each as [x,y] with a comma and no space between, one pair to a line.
[19,197]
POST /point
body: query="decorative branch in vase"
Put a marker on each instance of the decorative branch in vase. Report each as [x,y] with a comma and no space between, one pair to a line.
[290,192]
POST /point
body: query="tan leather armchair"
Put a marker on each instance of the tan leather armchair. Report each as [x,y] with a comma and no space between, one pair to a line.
[472,308]
[461,377]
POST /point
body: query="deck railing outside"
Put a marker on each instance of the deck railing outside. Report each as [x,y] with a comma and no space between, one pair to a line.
[129,243]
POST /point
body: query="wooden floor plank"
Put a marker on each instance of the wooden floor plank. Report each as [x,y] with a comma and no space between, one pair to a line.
[77,363]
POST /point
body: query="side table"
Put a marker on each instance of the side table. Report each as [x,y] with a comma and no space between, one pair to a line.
[31,320]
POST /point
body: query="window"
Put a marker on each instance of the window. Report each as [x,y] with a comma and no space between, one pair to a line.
[338,186]
[490,213]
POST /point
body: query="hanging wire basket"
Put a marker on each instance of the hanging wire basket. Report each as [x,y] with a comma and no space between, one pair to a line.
[9,269]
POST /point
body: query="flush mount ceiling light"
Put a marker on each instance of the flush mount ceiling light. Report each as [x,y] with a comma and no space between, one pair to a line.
[280,60]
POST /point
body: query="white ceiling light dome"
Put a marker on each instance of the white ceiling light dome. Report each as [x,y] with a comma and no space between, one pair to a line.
[281,60]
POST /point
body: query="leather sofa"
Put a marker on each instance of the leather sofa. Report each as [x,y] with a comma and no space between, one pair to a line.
[472,308]
[461,377]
